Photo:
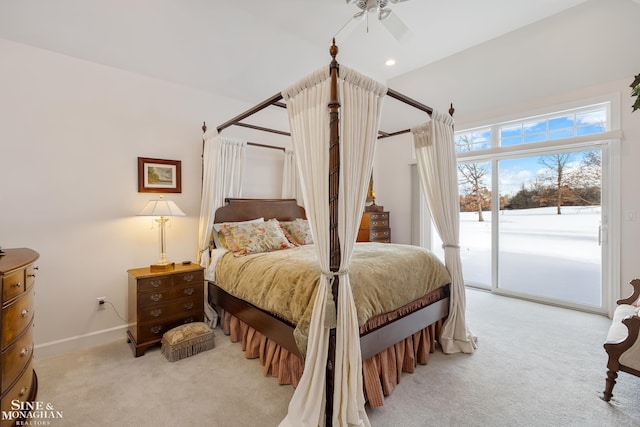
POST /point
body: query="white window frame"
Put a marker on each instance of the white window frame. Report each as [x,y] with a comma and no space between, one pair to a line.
[608,141]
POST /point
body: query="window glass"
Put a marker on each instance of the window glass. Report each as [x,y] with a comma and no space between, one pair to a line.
[580,122]
[479,139]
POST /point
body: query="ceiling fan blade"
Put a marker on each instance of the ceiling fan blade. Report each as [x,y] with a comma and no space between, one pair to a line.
[396,27]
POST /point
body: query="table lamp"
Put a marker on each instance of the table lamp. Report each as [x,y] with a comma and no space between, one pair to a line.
[163,209]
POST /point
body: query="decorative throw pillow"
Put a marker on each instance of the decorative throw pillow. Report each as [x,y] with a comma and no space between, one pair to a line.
[299,231]
[251,238]
[218,236]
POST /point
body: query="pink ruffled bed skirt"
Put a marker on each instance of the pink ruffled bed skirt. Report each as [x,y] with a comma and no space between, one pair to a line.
[381,373]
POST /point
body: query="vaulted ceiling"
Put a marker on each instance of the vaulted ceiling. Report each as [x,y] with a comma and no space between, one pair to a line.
[251,49]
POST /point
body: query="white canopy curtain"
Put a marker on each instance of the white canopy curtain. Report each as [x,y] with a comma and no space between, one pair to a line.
[290,182]
[307,103]
[223,172]
[437,168]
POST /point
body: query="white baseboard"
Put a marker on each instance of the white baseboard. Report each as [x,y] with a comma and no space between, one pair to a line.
[80,342]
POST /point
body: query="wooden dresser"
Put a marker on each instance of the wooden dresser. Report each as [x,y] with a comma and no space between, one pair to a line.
[374,227]
[18,379]
[159,301]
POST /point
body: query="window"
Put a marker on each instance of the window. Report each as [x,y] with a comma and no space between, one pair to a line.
[535,206]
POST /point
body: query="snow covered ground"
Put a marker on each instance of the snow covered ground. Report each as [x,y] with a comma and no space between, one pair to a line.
[540,253]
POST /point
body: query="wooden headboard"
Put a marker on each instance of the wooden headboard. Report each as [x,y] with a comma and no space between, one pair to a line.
[248,209]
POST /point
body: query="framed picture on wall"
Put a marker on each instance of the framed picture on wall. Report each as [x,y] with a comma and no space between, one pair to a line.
[159,176]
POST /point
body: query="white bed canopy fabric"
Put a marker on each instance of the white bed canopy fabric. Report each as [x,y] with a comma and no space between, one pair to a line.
[361,102]
[437,168]
[223,172]
[290,181]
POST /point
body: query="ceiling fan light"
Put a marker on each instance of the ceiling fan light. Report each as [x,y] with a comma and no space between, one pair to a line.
[384,14]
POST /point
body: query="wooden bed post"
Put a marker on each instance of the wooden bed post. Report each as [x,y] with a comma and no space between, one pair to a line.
[334,240]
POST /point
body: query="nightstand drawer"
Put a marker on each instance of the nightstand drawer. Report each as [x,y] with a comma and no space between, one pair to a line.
[195,277]
[180,307]
[161,283]
[148,299]
[153,331]
[13,285]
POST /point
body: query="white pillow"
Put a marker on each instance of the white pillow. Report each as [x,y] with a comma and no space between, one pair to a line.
[216,228]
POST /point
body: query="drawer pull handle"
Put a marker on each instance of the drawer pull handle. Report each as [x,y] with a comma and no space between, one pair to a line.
[155,283]
[156,329]
[17,285]
[188,305]
[188,291]
[188,277]
[23,391]
[156,297]
[24,352]
[157,312]
[31,275]
[24,313]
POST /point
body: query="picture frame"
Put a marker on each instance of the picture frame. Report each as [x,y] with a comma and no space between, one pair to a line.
[159,175]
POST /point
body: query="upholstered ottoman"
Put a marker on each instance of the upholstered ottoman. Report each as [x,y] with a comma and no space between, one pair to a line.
[186,340]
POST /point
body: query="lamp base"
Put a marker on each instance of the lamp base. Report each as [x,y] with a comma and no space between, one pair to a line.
[162,266]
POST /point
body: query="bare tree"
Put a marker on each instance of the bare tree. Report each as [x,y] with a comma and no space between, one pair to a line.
[586,179]
[556,164]
[472,175]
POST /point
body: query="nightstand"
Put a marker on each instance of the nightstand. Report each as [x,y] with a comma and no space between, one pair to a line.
[159,301]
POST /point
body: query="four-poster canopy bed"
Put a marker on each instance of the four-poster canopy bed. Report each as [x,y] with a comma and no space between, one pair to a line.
[389,342]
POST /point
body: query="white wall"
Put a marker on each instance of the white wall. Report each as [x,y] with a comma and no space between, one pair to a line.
[580,54]
[70,135]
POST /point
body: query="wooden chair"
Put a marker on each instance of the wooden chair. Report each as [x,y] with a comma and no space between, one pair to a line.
[622,344]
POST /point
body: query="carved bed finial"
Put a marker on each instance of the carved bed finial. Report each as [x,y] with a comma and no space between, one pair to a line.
[204,127]
[333,50]
[451,110]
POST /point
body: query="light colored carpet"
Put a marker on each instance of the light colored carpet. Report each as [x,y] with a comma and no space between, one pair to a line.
[535,365]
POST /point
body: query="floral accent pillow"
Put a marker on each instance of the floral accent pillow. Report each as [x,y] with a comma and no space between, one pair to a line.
[218,236]
[251,238]
[298,231]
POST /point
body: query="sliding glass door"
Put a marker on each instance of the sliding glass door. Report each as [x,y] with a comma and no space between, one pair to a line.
[536,199]
[549,244]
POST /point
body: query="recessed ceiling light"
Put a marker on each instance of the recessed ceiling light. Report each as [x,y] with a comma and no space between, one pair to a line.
[389,62]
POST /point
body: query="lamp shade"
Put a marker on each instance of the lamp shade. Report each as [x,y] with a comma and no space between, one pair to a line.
[161,207]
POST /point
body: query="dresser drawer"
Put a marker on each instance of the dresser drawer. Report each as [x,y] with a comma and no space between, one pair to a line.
[13,285]
[377,235]
[379,220]
[16,317]
[16,357]
[22,390]
[181,307]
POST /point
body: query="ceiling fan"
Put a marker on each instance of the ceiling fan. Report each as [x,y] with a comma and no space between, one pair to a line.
[385,15]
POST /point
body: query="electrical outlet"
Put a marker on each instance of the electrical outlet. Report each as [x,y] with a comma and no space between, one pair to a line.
[101,301]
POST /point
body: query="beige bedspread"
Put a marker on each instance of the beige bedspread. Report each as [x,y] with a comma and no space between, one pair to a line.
[383,277]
